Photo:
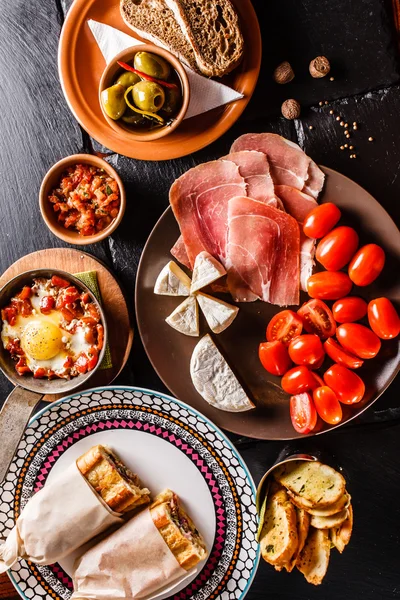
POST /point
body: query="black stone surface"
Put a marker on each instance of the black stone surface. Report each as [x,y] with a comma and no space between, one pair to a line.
[36,129]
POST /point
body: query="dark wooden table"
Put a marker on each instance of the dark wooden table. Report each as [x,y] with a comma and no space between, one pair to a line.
[37,129]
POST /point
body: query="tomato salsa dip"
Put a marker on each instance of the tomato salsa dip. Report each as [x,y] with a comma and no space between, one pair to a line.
[86,200]
[52,329]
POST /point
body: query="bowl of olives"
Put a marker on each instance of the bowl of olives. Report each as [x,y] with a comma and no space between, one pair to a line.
[144,93]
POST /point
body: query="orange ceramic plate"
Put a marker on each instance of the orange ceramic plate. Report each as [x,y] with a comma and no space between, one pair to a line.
[81,65]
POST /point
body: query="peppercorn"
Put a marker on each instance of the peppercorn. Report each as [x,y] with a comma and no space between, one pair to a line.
[291,109]
[319,67]
[283,73]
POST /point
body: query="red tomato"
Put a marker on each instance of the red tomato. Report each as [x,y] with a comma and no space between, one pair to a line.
[321,220]
[47,304]
[327,405]
[306,350]
[82,363]
[303,413]
[383,318]
[328,285]
[366,264]
[284,326]
[59,281]
[274,357]
[319,379]
[317,318]
[337,248]
[297,380]
[347,310]
[347,385]
[358,339]
[25,293]
[341,356]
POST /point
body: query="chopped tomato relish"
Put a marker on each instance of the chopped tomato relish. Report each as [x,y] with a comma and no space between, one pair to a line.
[87,199]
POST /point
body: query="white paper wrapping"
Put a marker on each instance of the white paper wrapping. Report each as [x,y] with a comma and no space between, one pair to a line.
[57,520]
[133,562]
[205,93]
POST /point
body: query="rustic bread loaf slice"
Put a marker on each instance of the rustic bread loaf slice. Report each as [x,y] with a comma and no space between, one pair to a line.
[213,31]
[340,536]
[153,20]
[278,540]
[314,558]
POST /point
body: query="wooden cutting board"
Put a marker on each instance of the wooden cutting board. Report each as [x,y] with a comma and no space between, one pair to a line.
[120,330]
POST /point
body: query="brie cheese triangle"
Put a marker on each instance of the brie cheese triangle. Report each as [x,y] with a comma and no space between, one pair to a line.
[214,379]
[172,281]
[206,270]
[185,317]
[219,314]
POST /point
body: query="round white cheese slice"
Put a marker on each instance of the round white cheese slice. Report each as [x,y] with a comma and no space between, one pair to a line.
[206,270]
[185,317]
[219,314]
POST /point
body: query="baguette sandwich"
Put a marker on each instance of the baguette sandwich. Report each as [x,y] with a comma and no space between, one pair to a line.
[119,488]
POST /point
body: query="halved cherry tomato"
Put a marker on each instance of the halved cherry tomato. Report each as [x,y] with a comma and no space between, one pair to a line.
[340,356]
[9,314]
[359,340]
[25,293]
[284,326]
[297,380]
[303,413]
[329,285]
[82,363]
[367,264]
[317,318]
[274,357]
[327,405]
[47,304]
[59,281]
[307,350]
[347,310]
[347,385]
[337,248]
[321,219]
[383,318]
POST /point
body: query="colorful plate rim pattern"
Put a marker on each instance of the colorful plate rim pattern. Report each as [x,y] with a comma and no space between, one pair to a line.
[233,560]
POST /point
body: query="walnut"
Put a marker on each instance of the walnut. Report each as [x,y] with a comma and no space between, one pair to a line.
[290,109]
[319,67]
[283,73]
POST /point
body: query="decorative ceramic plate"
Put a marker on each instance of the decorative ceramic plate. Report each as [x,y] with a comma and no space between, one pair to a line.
[169,445]
[167,348]
[80,83]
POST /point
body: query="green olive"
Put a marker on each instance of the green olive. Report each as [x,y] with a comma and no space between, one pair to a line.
[127,78]
[148,96]
[134,119]
[152,65]
[173,99]
[113,101]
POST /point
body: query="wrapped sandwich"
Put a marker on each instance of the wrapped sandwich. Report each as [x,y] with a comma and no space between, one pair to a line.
[154,549]
[72,509]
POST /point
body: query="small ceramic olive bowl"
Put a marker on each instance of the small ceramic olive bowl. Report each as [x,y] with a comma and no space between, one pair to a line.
[51,181]
[109,76]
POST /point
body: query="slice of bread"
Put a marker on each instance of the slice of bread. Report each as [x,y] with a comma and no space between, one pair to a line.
[213,30]
[331,521]
[278,540]
[340,536]
[153,20]
[314,558]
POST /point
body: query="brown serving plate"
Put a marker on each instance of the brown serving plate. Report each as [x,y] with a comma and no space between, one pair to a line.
[170,351]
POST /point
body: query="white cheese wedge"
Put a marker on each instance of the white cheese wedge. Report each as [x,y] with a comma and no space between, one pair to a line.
[214,379]
[219,314]
[172,281]
[206,270]
[185,317]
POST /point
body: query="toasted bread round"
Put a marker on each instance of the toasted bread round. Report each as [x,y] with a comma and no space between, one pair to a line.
[329,522]
[317,484]
[338,506]
[314,559]
[340,536]
[279,540]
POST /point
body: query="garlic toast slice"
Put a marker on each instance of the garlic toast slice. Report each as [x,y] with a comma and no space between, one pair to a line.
[337,507]
[318,484]
[314,558]
[279,534]
[340,536]
[329,522]
[303,526]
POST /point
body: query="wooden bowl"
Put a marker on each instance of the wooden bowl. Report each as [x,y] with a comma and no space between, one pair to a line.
[109,76]
[51,180]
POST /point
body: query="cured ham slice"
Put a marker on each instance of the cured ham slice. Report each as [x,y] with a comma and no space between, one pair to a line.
[178,251]
[199,200]
[254,168]
[263,253]
[289,164]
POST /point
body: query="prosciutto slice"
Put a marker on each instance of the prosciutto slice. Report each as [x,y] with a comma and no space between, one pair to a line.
[254,168]
[199,200]
[263,253]
[289,164]
[178,251]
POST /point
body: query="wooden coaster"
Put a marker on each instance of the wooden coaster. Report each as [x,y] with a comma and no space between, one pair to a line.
[120,330]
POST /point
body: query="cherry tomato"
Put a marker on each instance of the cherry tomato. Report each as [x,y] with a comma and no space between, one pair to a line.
[319,379]
[327,405]
[358,339]
[328,285]
[47,304]
[321,219]
[317,318]
[25,293]
[297,380]
[303,413]
[306,350]
[284,326]
[347,310]
[383,318]
[59,281]
[82,363]
[274,357]
[340,356]
[366,265]
[347,385]
[337,248]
